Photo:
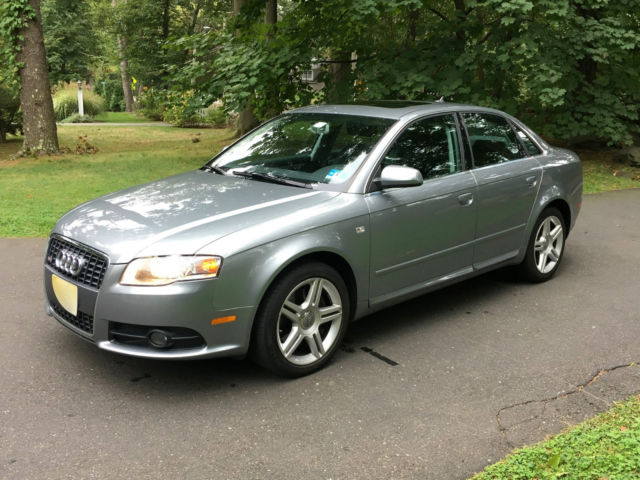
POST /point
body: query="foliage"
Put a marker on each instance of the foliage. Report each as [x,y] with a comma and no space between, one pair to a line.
[150,25]
[69,40]
[32,197]
[77,118]
[152,103]
[181,108]
[10,117]
[65,102]
[570,69]
[109,87]
[14,15]
[215,116]
[607,446]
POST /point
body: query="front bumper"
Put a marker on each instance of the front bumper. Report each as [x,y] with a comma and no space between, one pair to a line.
[182,305]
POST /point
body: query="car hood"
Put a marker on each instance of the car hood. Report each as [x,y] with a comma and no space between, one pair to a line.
[179,214]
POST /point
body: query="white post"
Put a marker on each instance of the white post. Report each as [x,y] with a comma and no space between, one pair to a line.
[80,99]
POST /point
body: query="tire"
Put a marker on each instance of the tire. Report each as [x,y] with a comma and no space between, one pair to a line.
[545,247]
[302,320]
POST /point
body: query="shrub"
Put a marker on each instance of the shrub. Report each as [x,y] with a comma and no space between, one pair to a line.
[109,87]
[152,103]
[65,102]
[180,111]
[215,116]
[10,115]
[77,118]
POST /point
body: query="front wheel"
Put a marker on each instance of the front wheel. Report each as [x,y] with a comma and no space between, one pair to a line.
[302,320]
[545,247]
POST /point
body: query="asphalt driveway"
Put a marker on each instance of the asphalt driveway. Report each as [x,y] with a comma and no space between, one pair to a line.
[434,388]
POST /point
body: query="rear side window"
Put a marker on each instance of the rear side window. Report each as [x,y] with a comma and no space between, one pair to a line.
[530,147]
[430,145]
[492,139]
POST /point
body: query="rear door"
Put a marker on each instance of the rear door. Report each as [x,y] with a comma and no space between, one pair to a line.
[420,235]
[508,178]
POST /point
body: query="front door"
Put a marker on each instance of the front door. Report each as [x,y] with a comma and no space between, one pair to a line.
[422,235]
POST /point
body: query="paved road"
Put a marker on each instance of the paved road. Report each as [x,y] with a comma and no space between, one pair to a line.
[482,366]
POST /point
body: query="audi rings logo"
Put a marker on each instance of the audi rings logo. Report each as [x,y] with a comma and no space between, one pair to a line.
[69,262]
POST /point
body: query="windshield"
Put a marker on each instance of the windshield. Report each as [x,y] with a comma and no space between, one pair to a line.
[309,148]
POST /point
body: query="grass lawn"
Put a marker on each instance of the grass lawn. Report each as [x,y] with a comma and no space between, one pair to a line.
[602,174]
[120,117]
[605,447]
[35,192]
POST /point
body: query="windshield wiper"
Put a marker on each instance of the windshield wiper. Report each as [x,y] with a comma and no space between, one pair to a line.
[265,177]
[213,168]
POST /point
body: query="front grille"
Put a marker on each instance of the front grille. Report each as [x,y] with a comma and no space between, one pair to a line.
[83,321]
[95,264]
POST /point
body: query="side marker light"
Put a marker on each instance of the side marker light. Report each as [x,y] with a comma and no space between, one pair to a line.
[219,320]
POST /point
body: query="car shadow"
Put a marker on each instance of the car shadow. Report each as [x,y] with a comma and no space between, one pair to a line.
[180,378]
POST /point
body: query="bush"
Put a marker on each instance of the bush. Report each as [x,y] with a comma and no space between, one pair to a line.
[152,103]
[109,87]
[215,116]
[65,102]
[77,118]
[10,115]
[180,111]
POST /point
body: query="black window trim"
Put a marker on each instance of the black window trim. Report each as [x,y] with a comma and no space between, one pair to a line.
[515,127]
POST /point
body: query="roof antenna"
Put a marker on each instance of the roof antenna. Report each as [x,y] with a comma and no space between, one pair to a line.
[440,100]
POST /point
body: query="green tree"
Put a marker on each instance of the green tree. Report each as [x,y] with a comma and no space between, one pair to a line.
[69,39]
[24,54]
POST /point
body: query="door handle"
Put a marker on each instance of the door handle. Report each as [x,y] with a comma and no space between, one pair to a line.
[465,199]
[532,181]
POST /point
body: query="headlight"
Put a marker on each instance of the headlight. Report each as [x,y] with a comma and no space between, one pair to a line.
[166,270]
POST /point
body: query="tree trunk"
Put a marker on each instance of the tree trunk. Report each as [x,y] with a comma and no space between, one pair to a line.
[124,74]
[237,5]
[165,19]
[271,12]
[413,15]
[194,18]
[38,118]
[461,12]
[124,67]
[246,119]
[338,88]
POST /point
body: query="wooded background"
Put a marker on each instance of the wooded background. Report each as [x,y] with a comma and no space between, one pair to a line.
[568,68]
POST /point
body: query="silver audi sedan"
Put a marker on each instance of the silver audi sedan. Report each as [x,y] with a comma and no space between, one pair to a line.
[316,218]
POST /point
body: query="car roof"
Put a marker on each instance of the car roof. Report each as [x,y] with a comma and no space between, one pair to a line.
[393,109]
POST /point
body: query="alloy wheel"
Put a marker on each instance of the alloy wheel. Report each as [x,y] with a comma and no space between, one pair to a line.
[309,321]
[548,244]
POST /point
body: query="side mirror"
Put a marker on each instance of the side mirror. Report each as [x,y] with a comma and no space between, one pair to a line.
[394,176]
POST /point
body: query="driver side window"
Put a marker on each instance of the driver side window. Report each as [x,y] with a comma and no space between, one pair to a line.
[429,145]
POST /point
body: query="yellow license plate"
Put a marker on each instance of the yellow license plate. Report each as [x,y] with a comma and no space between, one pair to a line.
[66,293]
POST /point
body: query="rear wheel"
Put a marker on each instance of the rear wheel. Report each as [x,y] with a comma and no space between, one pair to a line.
[302,320]
[545,248]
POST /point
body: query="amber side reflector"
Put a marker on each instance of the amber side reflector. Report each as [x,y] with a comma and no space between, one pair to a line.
[218,321]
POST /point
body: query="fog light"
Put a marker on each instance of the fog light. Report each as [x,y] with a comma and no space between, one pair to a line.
[159,339]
